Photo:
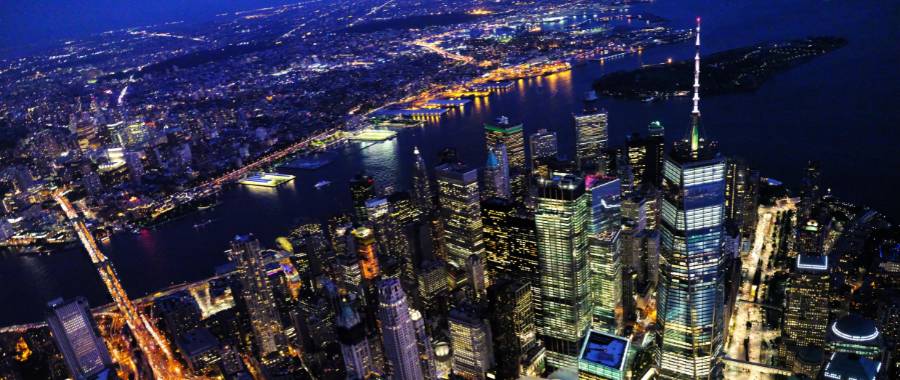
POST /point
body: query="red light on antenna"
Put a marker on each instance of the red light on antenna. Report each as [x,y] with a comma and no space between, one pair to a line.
[698,19]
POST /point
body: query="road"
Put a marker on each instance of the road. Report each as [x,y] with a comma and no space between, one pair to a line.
[748,308]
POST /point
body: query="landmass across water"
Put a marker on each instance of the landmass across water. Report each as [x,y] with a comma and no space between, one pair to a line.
[730,71]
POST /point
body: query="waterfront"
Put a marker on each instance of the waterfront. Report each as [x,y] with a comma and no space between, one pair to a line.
[775,129]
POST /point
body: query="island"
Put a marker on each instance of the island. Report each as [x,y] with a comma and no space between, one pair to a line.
[736,70]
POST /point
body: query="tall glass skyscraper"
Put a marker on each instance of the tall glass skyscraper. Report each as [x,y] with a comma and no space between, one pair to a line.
[562,239]
[591,136]
[513,137]
[460,212]
[691,288]
[606,279]
[76,336]
[256,290]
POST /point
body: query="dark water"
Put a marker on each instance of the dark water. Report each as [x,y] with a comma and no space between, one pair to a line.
[840,109]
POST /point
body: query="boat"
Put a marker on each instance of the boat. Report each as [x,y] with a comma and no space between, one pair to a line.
[203,224]
[321,184]
[649,100]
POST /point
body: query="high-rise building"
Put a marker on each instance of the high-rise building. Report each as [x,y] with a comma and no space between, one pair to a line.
[690,292]
[366,252]
[351,333]
[591,136]
[543,144]
[806,306]
[398,332]
[562,239]
[513,137]
[362,188]
[460,212]
[476,277]
[606,203]
[511,245]
[470,337]
[512,324]
[496,173]
[76,336]
[256,292]
[423,342]
[606,279]
[421,190]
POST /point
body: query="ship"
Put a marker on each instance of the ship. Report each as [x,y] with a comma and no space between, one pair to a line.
[321,184]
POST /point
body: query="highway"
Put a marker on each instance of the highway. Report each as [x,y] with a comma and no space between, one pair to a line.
[749,308]
[155,349]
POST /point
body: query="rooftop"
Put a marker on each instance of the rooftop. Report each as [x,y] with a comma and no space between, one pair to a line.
[605,350]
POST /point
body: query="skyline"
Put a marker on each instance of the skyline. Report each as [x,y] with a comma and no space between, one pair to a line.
[389,219]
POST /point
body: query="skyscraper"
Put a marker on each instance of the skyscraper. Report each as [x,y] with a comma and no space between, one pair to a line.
[606,279]
[606,203]
[496,173]
[351,333]
[690,291]
[512,324]
[76,336]
[542,144]
[591,136]
[805,306]
[257,294]
[421,189]
[562,240]
[475,276]
[365,251]
[510,245]
[460,212]
[470,337]
[362,188]
[426,352]
[398,332]
[513,137]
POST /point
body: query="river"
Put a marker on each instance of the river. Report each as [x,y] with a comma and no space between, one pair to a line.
[840,109]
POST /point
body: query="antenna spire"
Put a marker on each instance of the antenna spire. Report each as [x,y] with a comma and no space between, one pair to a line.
[695,114]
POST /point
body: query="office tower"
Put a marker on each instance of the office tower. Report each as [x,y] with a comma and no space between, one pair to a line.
[810,238]
[475,277]
[470,337]
[460,212]
[606,203]
[179,312]
[76,336]
[423,343]
[513,328]
[738,192]
[366,252]
[591,137]
[606,279]
[513,137]
[351,333]
[626,177]
[362,188]
[511,245]
[690,292]
[256,292]
[637,155]
[629,303]
[433,288]
[496,173]
[543,144]
[812,189]
[378,218]
[751,203]
[398,332]
[422,196]
[561,222]
[805,306]
[603,357]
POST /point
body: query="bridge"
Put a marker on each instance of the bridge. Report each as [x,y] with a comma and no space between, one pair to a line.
[156,350]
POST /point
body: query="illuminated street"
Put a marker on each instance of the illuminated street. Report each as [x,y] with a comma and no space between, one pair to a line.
[745,344]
